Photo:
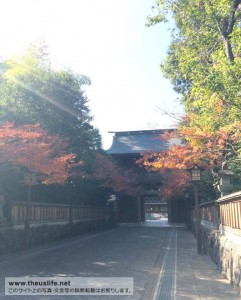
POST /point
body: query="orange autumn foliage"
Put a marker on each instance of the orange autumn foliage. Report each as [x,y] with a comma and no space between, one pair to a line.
[110,175]
[208,149]
[32,148]
[174,183]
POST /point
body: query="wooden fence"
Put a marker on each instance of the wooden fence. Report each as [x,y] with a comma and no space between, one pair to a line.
[210,215]
[58,213]
[230,210]
[225,211]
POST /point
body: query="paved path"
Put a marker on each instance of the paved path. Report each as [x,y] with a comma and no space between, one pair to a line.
[197,276]
[162,261]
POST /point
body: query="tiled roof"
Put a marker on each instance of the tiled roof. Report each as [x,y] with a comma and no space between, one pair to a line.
[133,142]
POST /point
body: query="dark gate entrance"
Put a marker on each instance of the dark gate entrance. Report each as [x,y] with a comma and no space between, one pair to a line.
[126,149]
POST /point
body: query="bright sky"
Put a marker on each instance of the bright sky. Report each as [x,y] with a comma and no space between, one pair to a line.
[107,41]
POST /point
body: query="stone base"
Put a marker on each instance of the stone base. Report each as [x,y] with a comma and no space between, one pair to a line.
[224,247]
[12,240]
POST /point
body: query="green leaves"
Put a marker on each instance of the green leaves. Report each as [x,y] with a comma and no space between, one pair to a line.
[32,92]
[204,61]
[203,64]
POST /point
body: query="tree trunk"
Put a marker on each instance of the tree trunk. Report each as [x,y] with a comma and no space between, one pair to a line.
[228,49]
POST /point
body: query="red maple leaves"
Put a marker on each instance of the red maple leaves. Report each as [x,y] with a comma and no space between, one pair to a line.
[110,175]
[31,147]
[207,148]
[210,149]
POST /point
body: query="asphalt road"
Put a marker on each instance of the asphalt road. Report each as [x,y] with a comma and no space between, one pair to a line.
[161,259]
[129,251]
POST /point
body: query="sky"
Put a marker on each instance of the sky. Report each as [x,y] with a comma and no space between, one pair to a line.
[106,40]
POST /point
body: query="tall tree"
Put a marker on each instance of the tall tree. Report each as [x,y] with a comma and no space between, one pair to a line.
[203,64]
[31,92]
[204,60]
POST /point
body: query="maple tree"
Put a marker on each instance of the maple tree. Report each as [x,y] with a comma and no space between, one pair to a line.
[200,146]
[211,150]
[110,175]
[32,148]
[174,184]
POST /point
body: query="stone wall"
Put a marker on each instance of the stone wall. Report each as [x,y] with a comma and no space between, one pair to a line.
[225,250]
[223,243]
[12,239]
[211,244]
[230,257]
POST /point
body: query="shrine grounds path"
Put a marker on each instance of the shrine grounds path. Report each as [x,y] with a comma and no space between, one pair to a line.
[161,258]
